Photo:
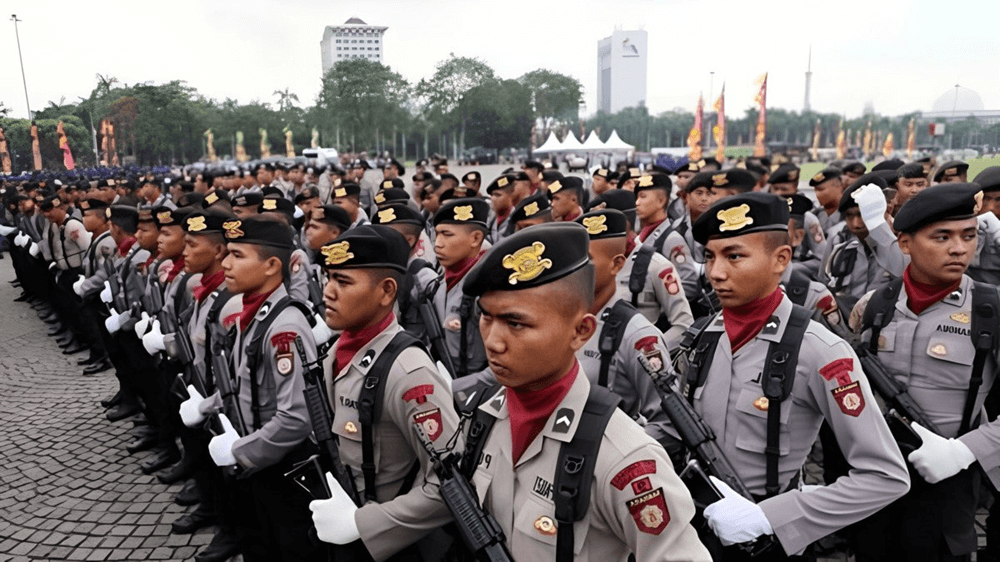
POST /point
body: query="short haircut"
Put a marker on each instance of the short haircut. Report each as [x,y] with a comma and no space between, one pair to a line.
[128,223]
[408,229]
[284,255]
[186,186]
[774,239]
[377,274]
[911,170]
[576,290]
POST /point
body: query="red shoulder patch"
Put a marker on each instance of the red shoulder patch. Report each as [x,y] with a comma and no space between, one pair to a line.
[650,512]
[677,254]
[418,393]
[633,471]
[839,369]
[647,343]
[827,304]
[669,279]
[430,421]
[850,399]
[282,341]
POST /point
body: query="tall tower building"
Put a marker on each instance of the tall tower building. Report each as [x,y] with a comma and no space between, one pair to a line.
[355,39]
[621,71]
[809,75]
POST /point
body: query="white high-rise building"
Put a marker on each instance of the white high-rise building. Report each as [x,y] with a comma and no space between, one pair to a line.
[353,40]
[621,71]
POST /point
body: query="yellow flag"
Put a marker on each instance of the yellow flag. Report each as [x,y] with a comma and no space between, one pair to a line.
[694,136]
[887,147]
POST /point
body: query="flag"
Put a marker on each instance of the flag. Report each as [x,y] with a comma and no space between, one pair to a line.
[868,147]
[36,149]
[241,151]
[887,147]
[315,138]
[694,136]
[265,147]
[911,138]
[815,147]
[759,148]
[719,130]
[289,147]
[64,147]
[112,144]
[5,167]
[210,145]
[842,142]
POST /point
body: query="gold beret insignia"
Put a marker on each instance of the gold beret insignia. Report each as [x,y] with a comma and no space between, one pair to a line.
[340,192]
[719,180]
[595,225]
[645,180]
[502,182]
[270,204]
[734,218]
[526,263]
[338,253]
[529,209]
[211,198]
[233,229]
[195,224]
[386,216]
[463,213]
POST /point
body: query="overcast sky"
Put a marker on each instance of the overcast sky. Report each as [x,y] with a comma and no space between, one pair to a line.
[900,55]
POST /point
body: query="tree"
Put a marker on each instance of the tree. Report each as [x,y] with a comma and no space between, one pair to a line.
[285,99]
[556,96]
[452,79]
[363,97]
[499,114]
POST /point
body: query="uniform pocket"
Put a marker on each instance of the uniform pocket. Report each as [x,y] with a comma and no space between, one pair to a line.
[536,520]
[752,430]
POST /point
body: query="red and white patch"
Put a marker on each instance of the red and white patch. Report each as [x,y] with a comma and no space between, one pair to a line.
[670,281]
[646,344]
[430,421]
[633,471]
[74,234]
[642,485]
[839,369]
[420,251]
[296,262]
[418,393]
[828,305]
[677,254]
[284,359]
[285,363]
[650,512]
[817,233]
[850,399]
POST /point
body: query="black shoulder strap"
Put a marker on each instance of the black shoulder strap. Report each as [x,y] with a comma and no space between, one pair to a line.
[370,403]
[403,294]
[253,349]
[985,311]
[464,316]
[481,426]
[615,319]
[778,380]
[659,242]
[640,267]
[879,311]
[798,286]
[575,467]
[703,345]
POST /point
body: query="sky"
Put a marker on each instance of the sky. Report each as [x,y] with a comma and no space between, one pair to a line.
[898,55]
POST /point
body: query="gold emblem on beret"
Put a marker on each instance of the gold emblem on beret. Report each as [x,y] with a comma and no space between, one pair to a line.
[545,525]
[734,218]
[340,192]
[338,253]
[526,263]
[555,186]
[595,225]
[463,212]
[774,167]
[163,217]
[145,215]
[196,224]
[601,172]
[107,212]
[380,197]
[233,229]
[719,180]
[386,184]
[793,175]
[336,182]
[979,202]
[962,317]
[819,177]
[502,182]
[950,172]
[634,172]
[112,183]
[270,204]
[700,163]
[386,216]
[742,165]
[211,198]
[529,209]
[319,213]
[56,202]
[85,205]
[645,180]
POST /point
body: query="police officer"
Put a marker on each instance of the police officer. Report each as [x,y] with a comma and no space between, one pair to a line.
[766,415]
[929,339]
[986,265]
[501,192]
[535,289]
[102,248]
[953,171]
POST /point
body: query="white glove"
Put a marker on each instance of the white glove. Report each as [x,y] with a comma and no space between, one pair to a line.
[221,446]
[735,519]
[871,203]
[33,250]
[939,458]
[334,518]
[113,323]
[321,332]
[298,213]
[106,296]
[190,414]
[6,230]
[142,325]
[52,266]
[21,239]
[153,341]
[78,286]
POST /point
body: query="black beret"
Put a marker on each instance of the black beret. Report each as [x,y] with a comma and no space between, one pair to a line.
[422,163]
[734,178]
[952,201]
[271,190]
[711,161]
[266,166]
[400,167]
[846,201]
[423,176]
[459,192]
[165,216]
[911,170]
[567,182]
[756,168]
[192,198]
[603,172]
[528,208]
[989,179]
[398,214]
[346,188]
[391,195]
[363,164]
[453,177]
[604,223]
[472,176]
[690,166]
[49,202]
[274,204]
[892,164]
[701,179]
[620,199]
[259,231]
[122,212]
[334,215]
[248,199]
[92,205]
[470,210]
[533,164]
[205,221]
[214,196]
[146,214]
[504,181]
[826,174]
[950,168]
[653,181]
[551,175]
[628,174]
[530,258]
[306,194]
[889,176]
[785,173]
[393,183]
[798,205]
[366,246]
[741,214]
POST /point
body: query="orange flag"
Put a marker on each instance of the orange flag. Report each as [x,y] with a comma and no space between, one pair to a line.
[5,167]
[694,136]
[759,148]
[36,149]
[911,138]
[887,147]
[841,142]
[64,147]
[815,146]
[868,144]
[719,130]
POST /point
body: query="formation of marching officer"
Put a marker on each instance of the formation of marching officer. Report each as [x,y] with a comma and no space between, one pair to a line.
[340,363]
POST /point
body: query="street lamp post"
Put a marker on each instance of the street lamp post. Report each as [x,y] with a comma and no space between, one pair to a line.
[14,19]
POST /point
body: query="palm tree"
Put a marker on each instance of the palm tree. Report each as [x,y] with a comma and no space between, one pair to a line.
[285,99]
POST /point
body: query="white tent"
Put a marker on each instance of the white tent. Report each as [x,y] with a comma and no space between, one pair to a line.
[570,144]
[593,143]
[616,144]
[551,144]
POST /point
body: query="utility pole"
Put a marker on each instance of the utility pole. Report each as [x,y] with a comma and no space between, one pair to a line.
[14,19]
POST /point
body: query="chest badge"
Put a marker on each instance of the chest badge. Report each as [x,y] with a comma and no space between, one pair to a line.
[961,317]
[545,525]
[939,349]
[350,427]
[761,403]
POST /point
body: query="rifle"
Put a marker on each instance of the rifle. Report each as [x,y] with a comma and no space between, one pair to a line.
[479,530]
[439,349]
[222,376]
[115,283]
[706,457]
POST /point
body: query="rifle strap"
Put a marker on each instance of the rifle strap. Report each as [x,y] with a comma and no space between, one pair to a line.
[403,294]
[879,311]
[985,311]
[370,404]
[575,467]
[778,380]
[220,297]
[615,320]
[640,268]
[467,405]
[704,344]
[464,316]
[797,287]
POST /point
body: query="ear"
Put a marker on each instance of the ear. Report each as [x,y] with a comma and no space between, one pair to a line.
[272,267]
[617,263]
[477,237]
[783,257]
[905,239]
[221,251]
[389,290]
[583,331]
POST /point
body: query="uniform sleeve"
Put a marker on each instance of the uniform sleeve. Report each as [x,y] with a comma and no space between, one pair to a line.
[647,505]
[95,283]
[679,254]
[79,235]
[887,252]
[672,298]
[420,396]
[648,342]
[878,474]
[290,424]
[298,284]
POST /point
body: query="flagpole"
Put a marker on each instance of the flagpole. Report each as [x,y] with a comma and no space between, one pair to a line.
[17,35]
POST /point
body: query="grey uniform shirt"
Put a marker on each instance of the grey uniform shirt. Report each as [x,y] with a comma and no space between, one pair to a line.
[985,266]
[662,294]
[675,248]
[448,304]
[101,249]
[877,261]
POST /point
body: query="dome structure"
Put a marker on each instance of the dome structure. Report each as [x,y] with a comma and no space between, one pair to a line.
[959,100]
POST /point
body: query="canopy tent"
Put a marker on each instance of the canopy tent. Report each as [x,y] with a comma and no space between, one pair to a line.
[616,144]
[551,144]
[593,142]
[570,144]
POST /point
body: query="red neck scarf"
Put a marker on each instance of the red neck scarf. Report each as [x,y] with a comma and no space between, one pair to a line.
[251,304]
[349,342]
[647,230]
[208,284]
[630,243]
[152,257]
[455,273]
[529,410]
[176,269]
[126,245]
[572,215]
[503,217]
[744,322]
[920,296]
